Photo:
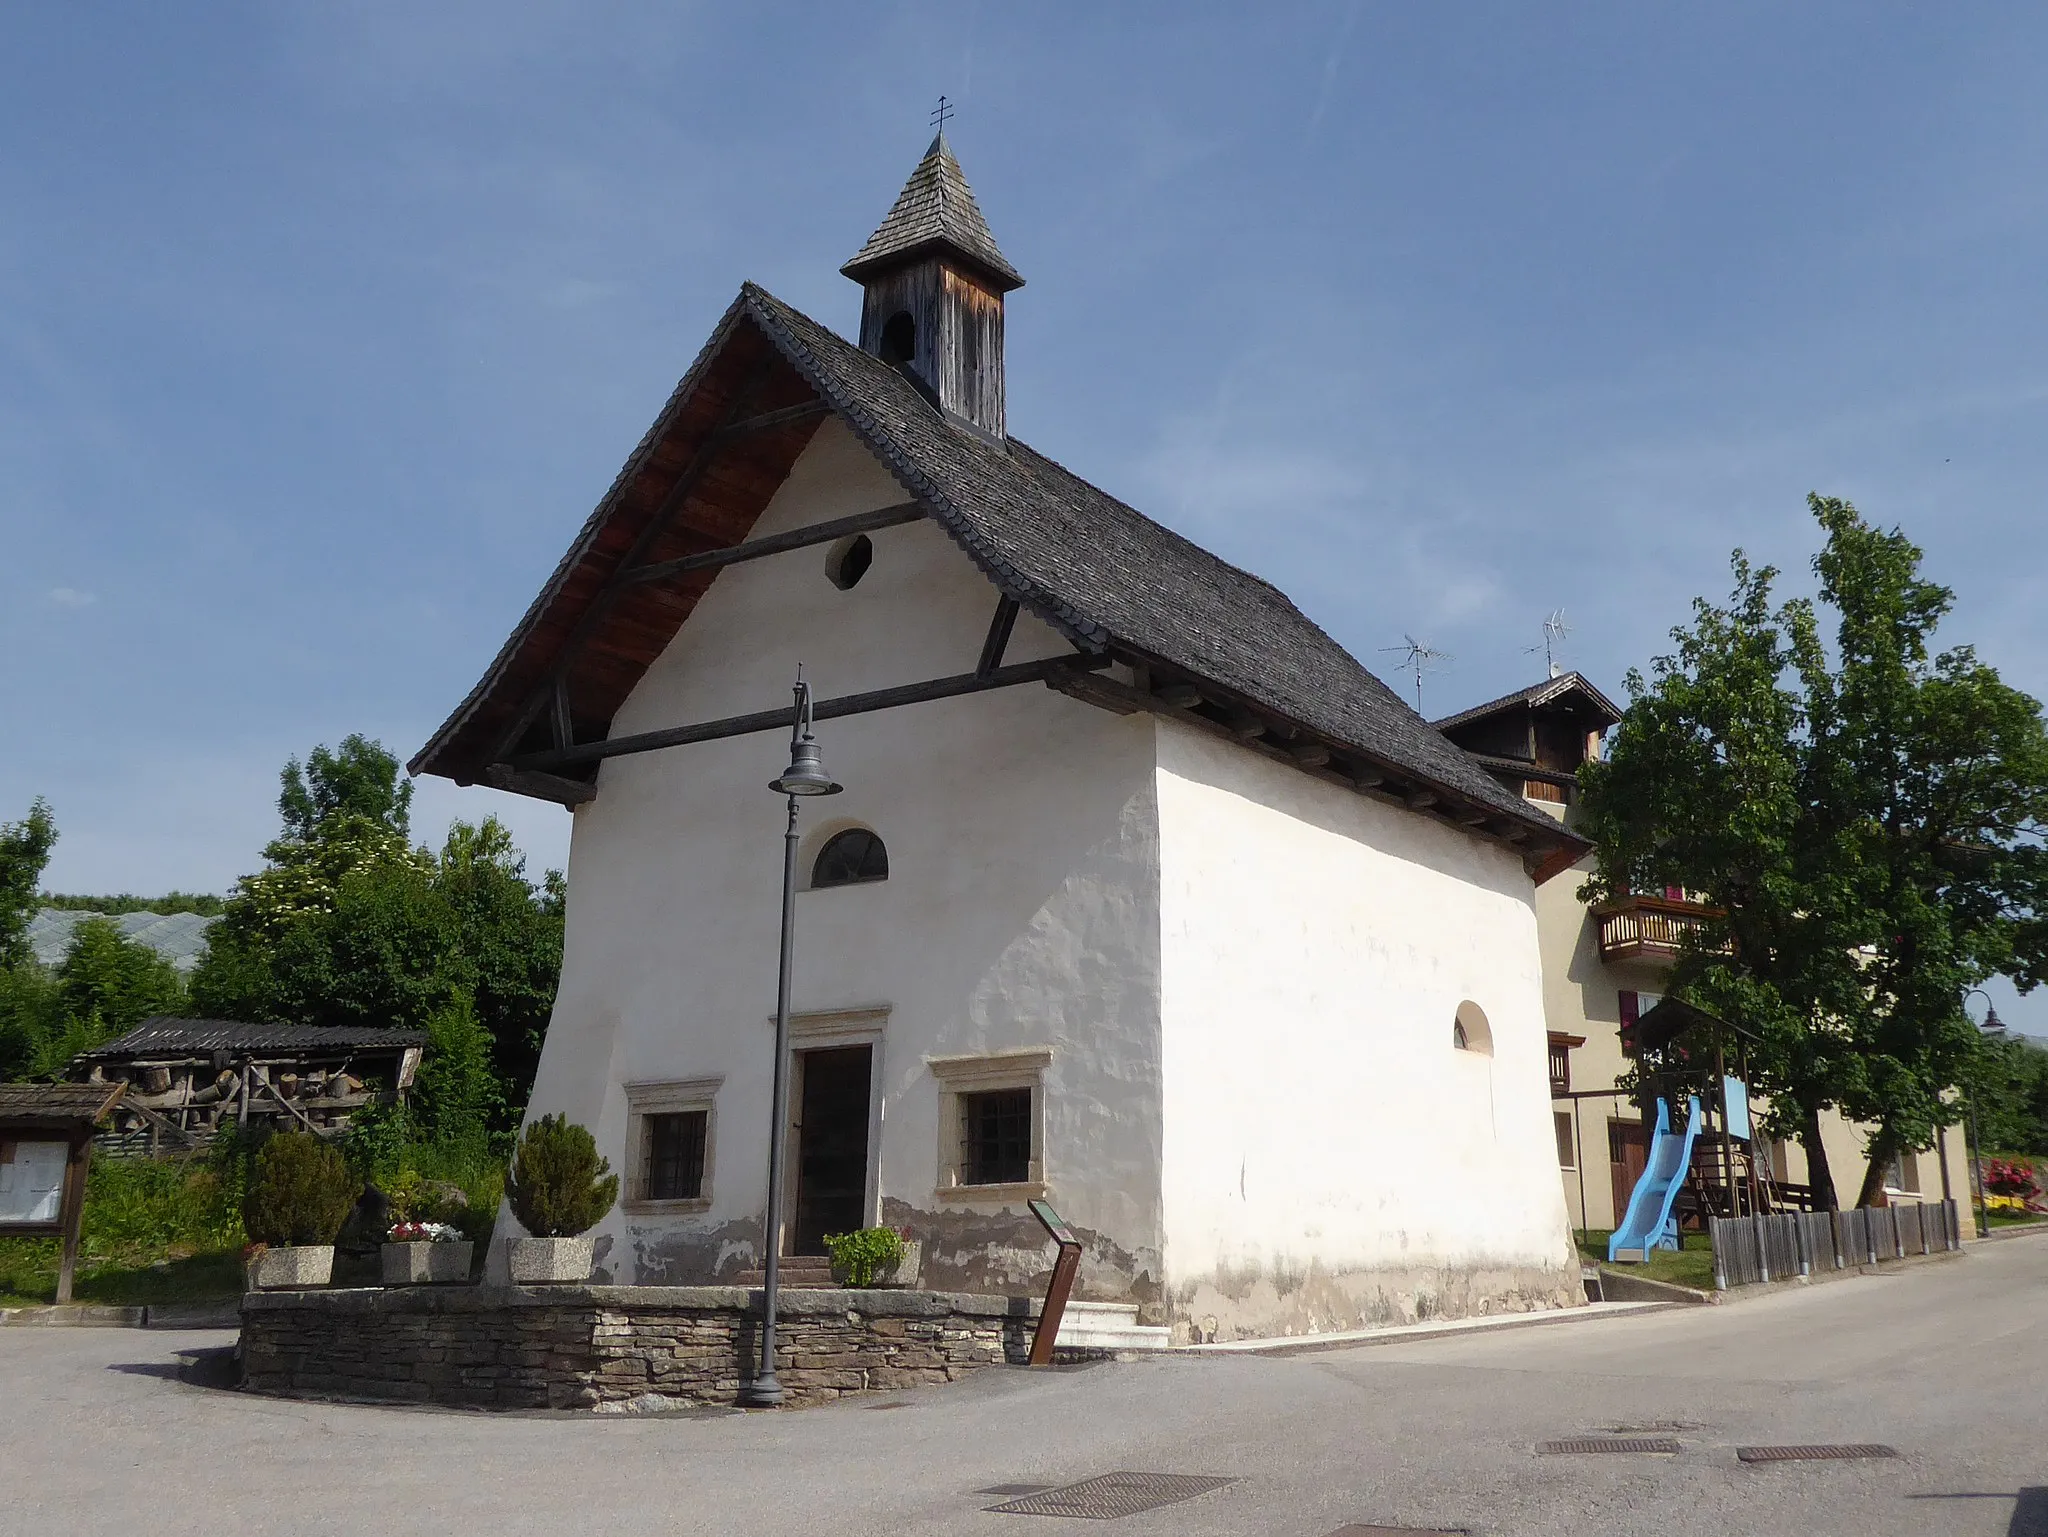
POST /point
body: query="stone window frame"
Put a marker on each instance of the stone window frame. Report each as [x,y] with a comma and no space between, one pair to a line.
[978,1073]
[668,1096]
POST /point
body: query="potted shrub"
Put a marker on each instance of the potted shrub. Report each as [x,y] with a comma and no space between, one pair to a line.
[874,1256]
[422,1246]
[297,1200]
[559,1189]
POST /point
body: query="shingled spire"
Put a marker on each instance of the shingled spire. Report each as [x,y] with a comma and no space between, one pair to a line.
[934,282]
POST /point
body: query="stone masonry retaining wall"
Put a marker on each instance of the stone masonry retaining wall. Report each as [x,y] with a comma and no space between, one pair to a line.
[614,1348]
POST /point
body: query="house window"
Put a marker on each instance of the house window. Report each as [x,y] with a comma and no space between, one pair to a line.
[849,560]
[1567,1155]
[1470,1031]
[850,858]
[675,1155]
[995,1144]
[992,1125]
[671,1130]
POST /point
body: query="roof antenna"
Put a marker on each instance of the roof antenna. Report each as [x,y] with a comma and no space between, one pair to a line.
[1419,659]
[940,113]
[1554,633]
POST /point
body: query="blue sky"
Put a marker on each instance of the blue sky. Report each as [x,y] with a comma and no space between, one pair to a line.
[322,327]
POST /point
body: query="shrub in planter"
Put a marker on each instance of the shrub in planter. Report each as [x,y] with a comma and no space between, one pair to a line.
[298,1197]
[872,1256]
[559,1189]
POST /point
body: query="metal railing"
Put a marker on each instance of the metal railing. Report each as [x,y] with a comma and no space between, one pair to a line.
[1749,1251]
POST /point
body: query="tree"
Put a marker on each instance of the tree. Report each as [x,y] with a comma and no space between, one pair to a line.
[1939,770]
[1706,786]
[1869,825]
[24,851]
[359,782]
[457,1097]
[349,924]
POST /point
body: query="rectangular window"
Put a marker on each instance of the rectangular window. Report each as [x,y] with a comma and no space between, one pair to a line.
[671,1140]
[675,1155]
[996,1137]
[1566,1154]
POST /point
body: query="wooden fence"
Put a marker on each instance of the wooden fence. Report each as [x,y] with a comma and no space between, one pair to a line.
[1751,1250]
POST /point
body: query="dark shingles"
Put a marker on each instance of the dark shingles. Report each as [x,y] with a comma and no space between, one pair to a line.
[935,208]
[199,1037]
[1537,694]
[1102,572]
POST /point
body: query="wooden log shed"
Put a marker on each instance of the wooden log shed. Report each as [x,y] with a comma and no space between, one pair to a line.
[45,1144]
[186,1078]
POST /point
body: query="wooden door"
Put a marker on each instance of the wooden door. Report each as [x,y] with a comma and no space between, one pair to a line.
[1628,1154]
[832,1146]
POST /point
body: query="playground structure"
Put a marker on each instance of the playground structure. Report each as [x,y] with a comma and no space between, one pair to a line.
[1649,1223]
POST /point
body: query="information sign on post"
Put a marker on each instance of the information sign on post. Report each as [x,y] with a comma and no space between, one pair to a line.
[1064,1269]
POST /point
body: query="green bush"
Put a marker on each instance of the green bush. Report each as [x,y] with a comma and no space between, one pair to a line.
[302,1191]
[559,1186]
[859,1257]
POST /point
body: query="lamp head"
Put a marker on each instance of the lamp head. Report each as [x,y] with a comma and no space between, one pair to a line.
[806,772]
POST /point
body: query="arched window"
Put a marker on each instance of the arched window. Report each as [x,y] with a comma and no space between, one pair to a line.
[1470,1031]
[899,339]
[849,858]
[849,561]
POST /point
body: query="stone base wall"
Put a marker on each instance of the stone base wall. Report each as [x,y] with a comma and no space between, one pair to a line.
[1255,1305]
[615,1348]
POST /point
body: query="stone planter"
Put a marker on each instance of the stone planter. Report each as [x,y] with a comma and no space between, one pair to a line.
[542,1261]
[423,1263]
[905,1271]
[294,1265]
[902,1274]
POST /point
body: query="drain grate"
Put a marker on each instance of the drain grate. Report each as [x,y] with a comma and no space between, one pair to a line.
[1663,1445]
[1813,1453]
[1112,1495]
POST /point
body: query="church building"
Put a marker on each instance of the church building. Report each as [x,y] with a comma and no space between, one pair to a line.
[1142,897]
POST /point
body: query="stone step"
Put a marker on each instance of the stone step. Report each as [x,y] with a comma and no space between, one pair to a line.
[806,1271]
[1107,1326]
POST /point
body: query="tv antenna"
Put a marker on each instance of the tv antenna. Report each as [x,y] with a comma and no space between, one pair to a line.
[1554,632]
[1418,659]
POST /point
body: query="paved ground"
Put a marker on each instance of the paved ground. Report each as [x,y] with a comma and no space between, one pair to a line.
[1948,1362]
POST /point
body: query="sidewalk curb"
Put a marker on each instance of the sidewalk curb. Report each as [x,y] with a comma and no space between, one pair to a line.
[167,1315]
[1403,1334]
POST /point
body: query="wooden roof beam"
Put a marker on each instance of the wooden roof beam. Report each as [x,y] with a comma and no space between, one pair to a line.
[777,544]
[1045,671]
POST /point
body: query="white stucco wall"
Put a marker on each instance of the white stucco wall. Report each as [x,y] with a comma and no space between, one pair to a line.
[1020,908]
[1331,1159]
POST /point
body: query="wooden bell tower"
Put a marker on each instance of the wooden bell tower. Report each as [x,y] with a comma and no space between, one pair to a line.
[933,284]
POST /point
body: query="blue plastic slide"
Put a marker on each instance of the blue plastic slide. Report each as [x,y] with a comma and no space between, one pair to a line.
[1649,1223]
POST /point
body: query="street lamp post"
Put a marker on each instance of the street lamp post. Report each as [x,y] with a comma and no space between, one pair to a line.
[805,776]
[1991,1026]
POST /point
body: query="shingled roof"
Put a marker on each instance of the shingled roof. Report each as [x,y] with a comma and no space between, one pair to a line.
[1107,577]
[935,209]
[1549,691]
[166,1035]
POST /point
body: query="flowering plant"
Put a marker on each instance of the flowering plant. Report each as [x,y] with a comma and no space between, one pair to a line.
[2010,1176]
[423,1232]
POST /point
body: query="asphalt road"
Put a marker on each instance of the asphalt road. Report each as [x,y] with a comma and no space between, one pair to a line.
[1948,1363]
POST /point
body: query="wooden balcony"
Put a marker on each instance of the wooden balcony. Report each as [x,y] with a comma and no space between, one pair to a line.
[1647,928]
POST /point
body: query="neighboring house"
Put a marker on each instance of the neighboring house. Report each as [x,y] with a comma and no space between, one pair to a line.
[1143,895]
[187,1078]
[179,938]
[1604,967]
